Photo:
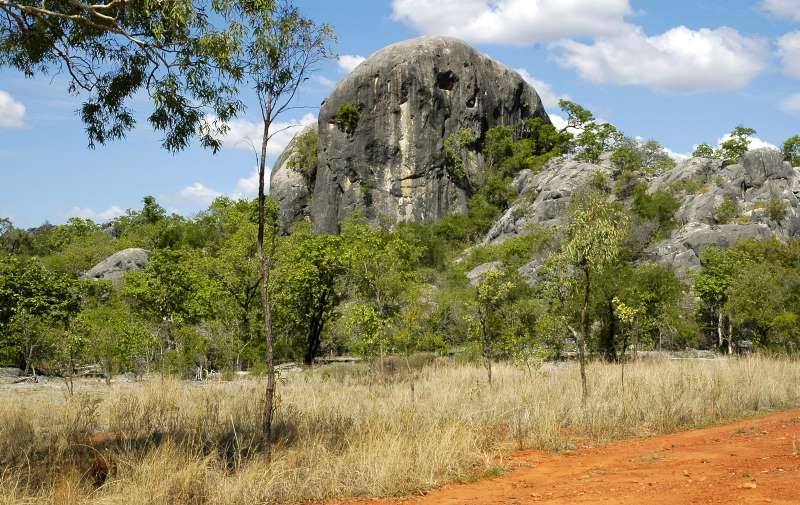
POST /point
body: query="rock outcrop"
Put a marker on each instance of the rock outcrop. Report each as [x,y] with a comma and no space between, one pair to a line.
[382,132]
[544,196]
[118,264]
[763,189]
[288,184]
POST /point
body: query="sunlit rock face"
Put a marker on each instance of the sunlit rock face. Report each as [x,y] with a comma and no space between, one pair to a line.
[411,96]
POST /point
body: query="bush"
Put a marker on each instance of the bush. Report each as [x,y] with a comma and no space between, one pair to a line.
[305,161]
[659,206]
[726,211]
[347,117]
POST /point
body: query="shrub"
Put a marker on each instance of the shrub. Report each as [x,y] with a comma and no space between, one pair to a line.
[776,208]
[791,150]
[726,211]
[347,117]
[305,161]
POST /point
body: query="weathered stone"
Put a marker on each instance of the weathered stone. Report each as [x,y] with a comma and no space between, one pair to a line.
[530,272]
[761,165]
[10,372]
[411,96]
[544,196]
[476,275]
[118,264]
[288,186]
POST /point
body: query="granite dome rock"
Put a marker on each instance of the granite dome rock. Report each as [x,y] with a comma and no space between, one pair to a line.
[382,133]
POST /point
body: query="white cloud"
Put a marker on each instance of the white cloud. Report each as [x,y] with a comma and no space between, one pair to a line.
[676,155]
[12,112]
[789,52]
[100,217]
[791,104]
[348,62]
[247,187]
[755,142]
[549,97]
[783,8]
[559,122]
[244,134]
[198,193]
[324,81]
[680,60]
[517,22]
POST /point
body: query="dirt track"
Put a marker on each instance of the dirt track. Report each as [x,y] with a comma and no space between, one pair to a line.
[748,462]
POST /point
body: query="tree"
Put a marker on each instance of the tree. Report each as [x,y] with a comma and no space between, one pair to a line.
[705,151]
[171,292]
[756,298]
[577,116]
[595,139]
[791,150]
[113,52]
[486,324]
[308,286]
[737,144]
[593,237]
[712,284]
[279,49]
[380,267]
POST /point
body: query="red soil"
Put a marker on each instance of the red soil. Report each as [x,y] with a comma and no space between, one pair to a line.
[755,461]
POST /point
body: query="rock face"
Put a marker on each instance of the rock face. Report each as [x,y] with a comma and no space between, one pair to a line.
[288,186]
[410,96]
[544,196]
[763,188]
[118,264]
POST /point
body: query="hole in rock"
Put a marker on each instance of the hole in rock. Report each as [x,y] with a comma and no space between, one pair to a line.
[446,80]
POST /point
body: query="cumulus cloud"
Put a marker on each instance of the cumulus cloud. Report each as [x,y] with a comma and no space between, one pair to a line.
[244,134]
[680,60]
[348,62]
[791,104]
[247,187]
[198,194]
[12,112]
[516,22]
[97,216]
[324,81]
[783,8]
[789,52]
[549,97]
[755,142]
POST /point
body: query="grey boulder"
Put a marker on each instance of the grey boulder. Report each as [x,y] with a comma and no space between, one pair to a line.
[118,264]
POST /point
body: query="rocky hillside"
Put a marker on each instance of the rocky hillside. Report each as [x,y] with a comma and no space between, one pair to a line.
[758,196]
[380,147]
[382,134]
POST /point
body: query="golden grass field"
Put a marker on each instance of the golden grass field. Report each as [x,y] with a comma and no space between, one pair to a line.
[343,433]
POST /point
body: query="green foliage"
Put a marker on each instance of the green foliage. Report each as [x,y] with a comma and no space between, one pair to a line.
[458,154]
[776,208]
[485,316]
[347,116]
[305,160]
[726,211]
[791,150]
[596,139]
[577,116]
[705,151]
[595,231]
[720,267]
[737,145]
[179,53]
[658,206]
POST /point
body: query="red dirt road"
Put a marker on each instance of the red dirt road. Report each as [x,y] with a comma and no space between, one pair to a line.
[754,461]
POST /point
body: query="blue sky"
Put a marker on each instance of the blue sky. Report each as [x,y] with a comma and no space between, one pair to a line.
[681,72]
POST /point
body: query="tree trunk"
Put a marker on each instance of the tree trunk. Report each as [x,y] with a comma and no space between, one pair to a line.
[410,374]
[265,262]
[719,330]
[582,336]
[730,336]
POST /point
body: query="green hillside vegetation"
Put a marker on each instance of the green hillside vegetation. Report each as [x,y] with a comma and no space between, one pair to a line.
[398,288]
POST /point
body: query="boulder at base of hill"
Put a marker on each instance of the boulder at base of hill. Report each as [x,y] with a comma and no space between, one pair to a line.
[118,264]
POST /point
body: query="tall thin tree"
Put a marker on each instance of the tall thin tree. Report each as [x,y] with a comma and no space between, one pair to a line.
[280,49]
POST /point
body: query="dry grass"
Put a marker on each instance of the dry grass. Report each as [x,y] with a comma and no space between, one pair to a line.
[340,435]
